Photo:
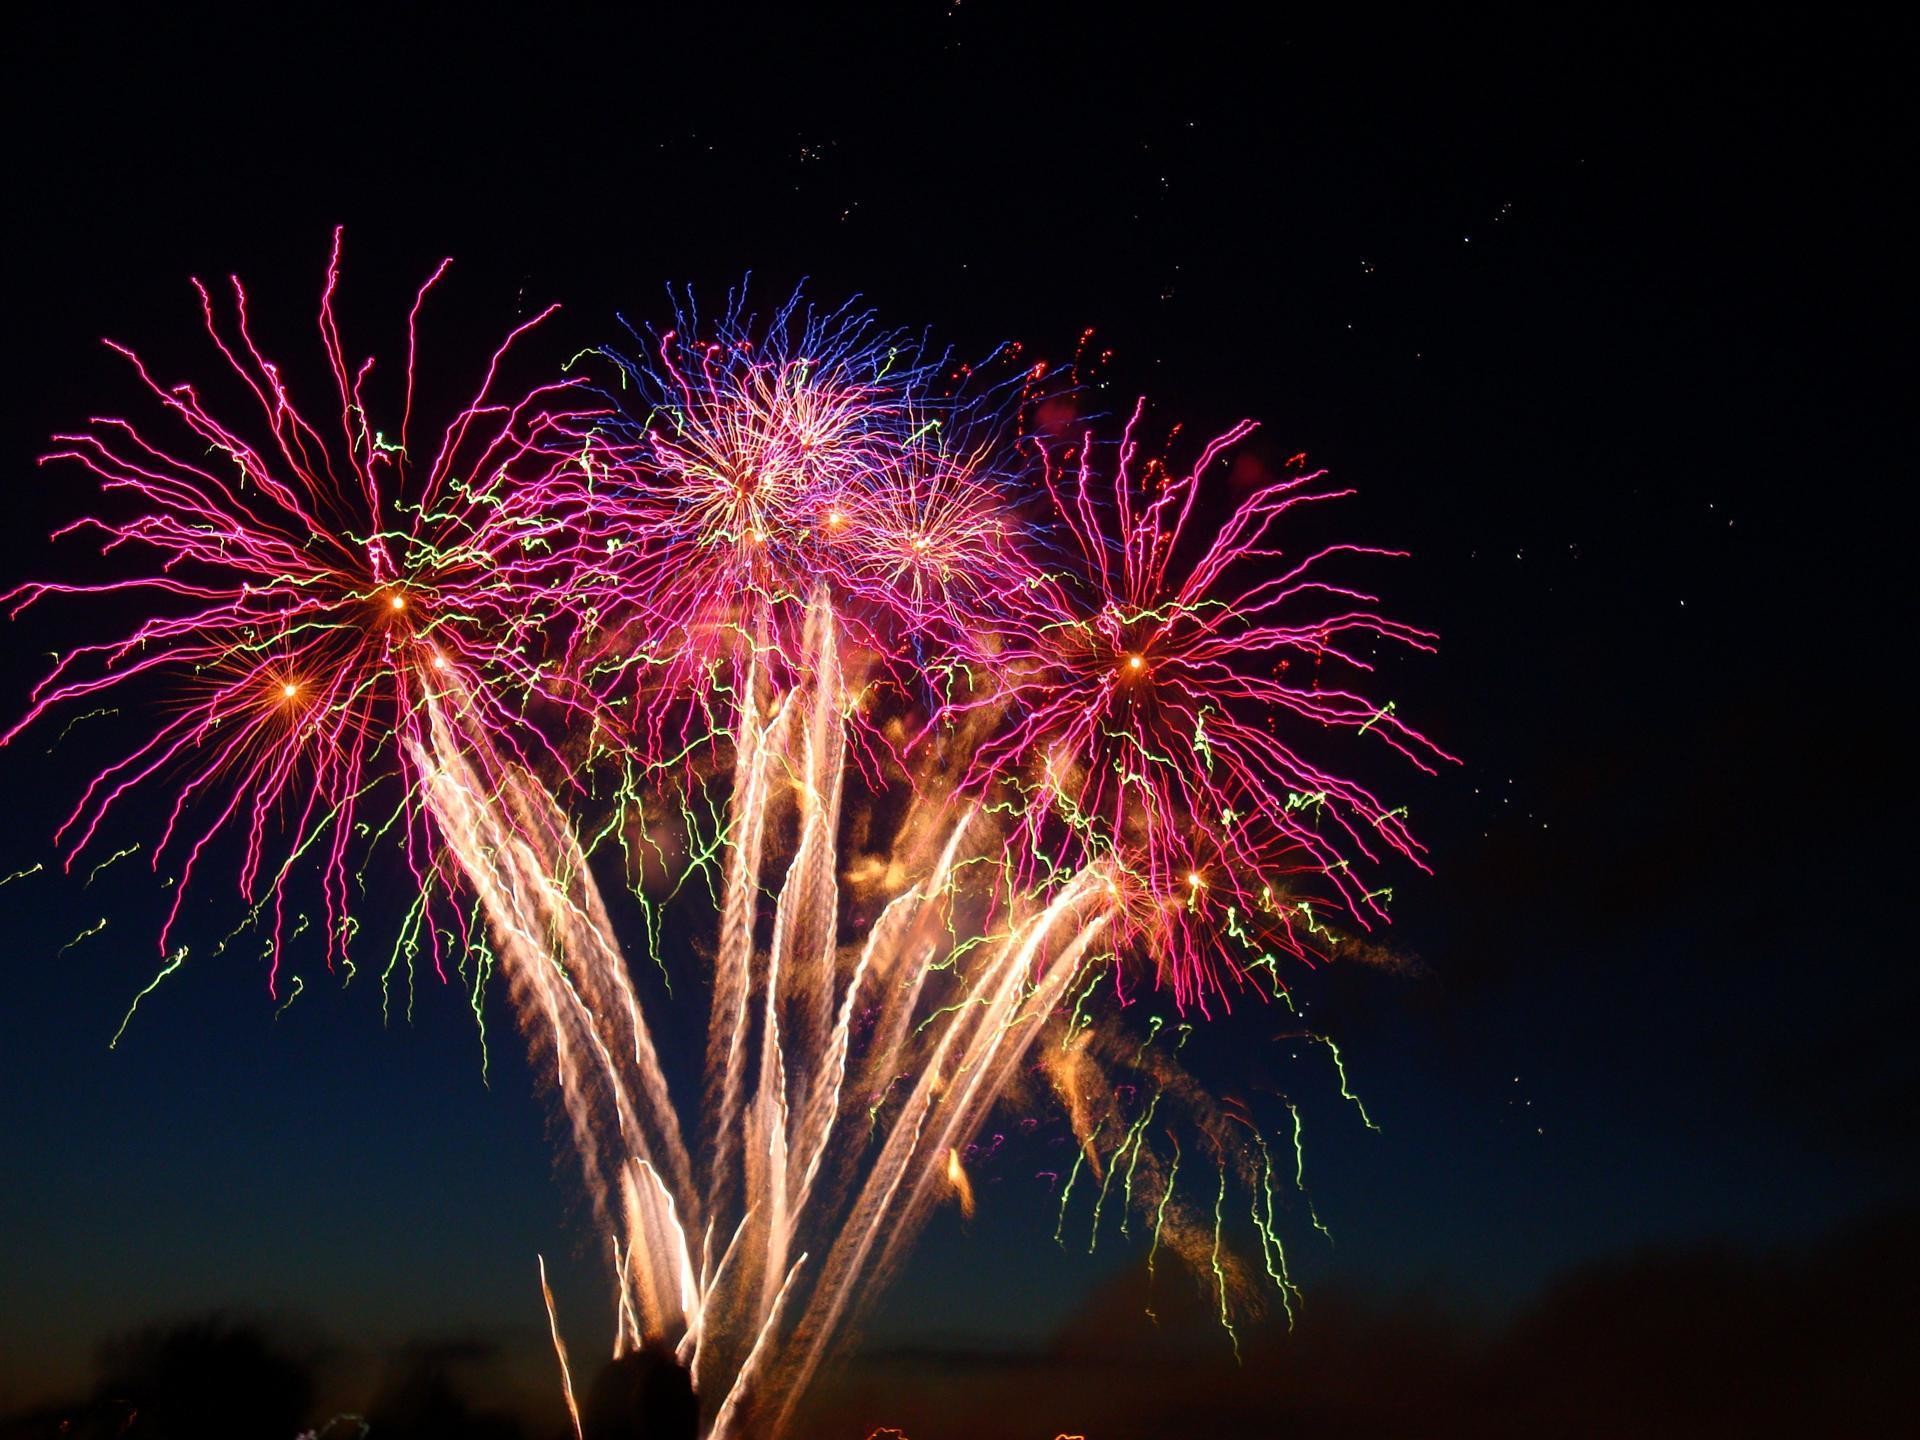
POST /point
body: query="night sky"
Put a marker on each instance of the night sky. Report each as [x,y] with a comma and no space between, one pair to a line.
[1600,319]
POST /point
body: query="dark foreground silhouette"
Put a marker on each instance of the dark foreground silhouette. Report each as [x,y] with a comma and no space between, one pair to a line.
[211,1378]
[1660,1345]
[647,1396]
[221,1378]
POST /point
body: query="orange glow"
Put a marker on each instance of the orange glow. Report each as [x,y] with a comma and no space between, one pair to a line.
[962,1186]
[289,690]
[1135,662]
[398,602]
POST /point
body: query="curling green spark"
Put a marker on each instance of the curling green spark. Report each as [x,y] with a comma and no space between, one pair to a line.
[88,933]
[94,874]
[1154,1022]
[293,994]
[1378,715]
[174,962]
[91,714]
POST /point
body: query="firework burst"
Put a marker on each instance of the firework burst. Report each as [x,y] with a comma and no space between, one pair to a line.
[318,597]
[1143,687]
[931,541]
[753,553]
[724,484]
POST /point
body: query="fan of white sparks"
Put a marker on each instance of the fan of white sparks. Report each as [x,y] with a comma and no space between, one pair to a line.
[751,1258]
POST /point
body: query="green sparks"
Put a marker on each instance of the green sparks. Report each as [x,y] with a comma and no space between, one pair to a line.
[88,933]
[1066,1190]
[1346,1092]
[174,962]
[1378,715]
[1160,1212]
[1220,1275]
[91,714]
[293,994]
[94,874]
[1272,1253]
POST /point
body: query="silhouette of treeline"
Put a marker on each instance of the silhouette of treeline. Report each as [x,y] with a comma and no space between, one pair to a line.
[222,1378]
[1699,1343]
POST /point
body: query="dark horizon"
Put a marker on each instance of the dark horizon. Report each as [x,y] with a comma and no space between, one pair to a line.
[1663,1341]
[1596,317]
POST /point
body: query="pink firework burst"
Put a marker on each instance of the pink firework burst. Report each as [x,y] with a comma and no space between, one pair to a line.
[720,479]
[317,605]
[930,542]
[1162,692]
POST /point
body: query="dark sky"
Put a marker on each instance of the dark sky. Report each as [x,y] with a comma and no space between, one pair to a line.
[1599,317]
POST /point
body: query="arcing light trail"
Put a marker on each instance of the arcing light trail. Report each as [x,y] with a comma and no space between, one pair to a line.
[968,723]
